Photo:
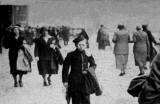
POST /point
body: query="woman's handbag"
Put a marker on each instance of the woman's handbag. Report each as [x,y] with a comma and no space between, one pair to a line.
[98,90]
[136,85]
[28,55]
[23,63]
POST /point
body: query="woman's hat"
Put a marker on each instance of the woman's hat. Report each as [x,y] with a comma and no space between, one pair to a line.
[138,28]
[78,39]
[43,29]
[120,26]
[144,26]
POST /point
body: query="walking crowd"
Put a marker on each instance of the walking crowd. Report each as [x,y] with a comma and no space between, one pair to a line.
[78,66]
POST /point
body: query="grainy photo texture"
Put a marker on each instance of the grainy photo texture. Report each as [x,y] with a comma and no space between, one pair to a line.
[79,52]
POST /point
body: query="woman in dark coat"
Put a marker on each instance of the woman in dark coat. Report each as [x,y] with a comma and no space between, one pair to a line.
[151,41]
[48,56]
[121,39]
[150,93]
[79,62]
[140,49]
[14,42]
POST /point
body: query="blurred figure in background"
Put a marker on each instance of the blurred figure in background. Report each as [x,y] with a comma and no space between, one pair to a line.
[141,49]
[152,40]
[102,38]
[65,33]
[121,39]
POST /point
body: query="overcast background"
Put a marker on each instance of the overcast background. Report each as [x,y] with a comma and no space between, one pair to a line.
[92,13]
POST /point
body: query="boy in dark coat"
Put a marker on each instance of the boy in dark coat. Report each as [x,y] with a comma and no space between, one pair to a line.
[75,81]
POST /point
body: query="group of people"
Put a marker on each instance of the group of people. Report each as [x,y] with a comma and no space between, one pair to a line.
[78,74]
[143,48]
[145,87]
[78,71]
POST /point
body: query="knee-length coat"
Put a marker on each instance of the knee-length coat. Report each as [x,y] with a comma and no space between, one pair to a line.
[13,45]
[102,38]
[49,58]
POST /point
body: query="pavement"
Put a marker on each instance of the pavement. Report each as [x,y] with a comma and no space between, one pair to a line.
[114,87]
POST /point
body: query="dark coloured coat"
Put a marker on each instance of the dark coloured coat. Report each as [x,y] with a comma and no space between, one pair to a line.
[13,45]
[48,58]
[150,93]
[76,62]
[151,40]
[65,32]
[102,38]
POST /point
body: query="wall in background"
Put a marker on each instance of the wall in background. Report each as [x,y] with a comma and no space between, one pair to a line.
[92,13]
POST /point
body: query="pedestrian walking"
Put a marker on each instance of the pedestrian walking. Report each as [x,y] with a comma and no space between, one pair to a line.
[141,49]
[48,56]
[14,42]
[102,38]
[121,39]
[152,40]
[75,74]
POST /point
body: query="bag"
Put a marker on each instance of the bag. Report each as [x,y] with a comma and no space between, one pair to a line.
[98,90]
[28,55]
[136,85]
[90,82]
[23,63]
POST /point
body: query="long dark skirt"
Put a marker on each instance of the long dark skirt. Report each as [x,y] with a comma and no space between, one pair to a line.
[44,67]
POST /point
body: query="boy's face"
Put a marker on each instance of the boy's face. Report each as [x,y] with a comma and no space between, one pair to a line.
[82,45]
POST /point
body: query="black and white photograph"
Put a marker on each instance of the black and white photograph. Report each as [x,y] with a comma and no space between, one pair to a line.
[80,52]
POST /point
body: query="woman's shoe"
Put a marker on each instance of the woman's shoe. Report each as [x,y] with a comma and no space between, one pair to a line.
[49,81]
[20,84]
[15,84]
[45,84]
[122,74]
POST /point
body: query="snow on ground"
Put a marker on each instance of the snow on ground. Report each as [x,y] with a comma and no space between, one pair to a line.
[114,87]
